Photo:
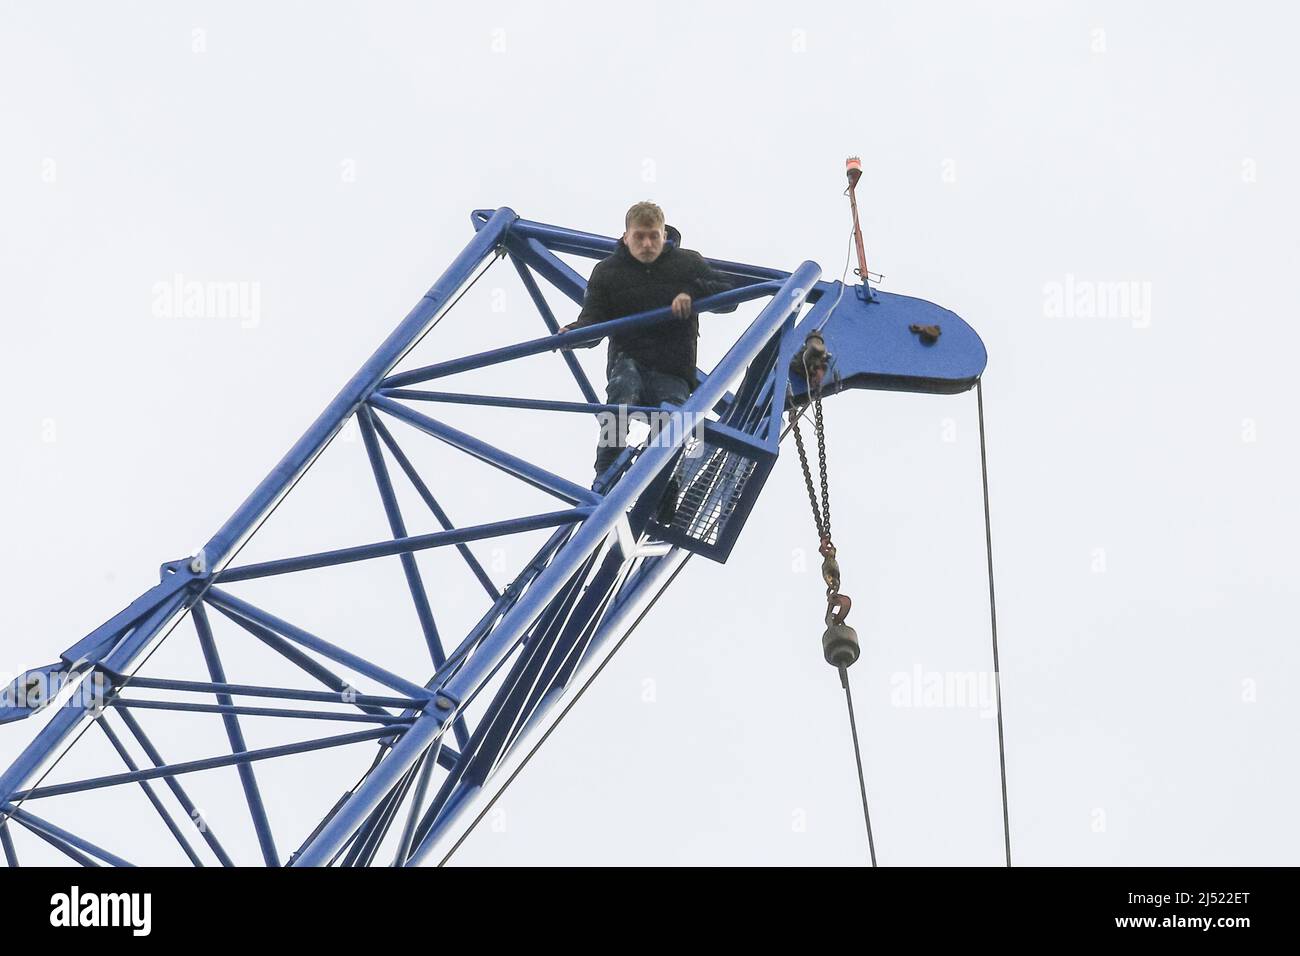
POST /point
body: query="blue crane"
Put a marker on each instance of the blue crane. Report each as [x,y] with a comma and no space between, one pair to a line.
[433,742]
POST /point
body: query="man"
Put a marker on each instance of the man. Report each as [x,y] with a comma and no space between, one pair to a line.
[648,270]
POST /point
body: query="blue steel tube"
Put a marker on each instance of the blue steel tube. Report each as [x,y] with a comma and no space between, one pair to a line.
[417,542]
[512,464]
[589,334]
[592,246]
[586,539]
[264,496]
[235,734]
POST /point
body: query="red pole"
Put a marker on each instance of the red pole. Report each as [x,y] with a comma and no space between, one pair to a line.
[853,169]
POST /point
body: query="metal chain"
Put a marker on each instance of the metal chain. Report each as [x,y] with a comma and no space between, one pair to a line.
[820,428]
[821,515]
[807,474]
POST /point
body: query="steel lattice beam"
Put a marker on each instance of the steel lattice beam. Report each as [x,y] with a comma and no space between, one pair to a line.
[605,554]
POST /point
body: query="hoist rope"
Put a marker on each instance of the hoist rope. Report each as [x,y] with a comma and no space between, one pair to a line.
[857,753]
[822,519]
[993,618]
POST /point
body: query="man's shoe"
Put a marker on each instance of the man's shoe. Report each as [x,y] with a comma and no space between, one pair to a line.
[668,505]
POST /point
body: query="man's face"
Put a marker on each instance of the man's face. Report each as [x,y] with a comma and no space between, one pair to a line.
[644,242]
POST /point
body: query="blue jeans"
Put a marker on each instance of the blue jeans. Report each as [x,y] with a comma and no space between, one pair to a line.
[631,383]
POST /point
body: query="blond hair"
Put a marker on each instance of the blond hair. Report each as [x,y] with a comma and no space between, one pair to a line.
[644,213]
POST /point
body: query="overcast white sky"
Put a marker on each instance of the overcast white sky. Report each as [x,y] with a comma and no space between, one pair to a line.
[1019,157]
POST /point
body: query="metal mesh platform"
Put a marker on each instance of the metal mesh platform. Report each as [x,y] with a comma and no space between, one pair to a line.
[710,491]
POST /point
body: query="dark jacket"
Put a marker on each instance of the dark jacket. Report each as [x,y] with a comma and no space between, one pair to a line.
[621,285]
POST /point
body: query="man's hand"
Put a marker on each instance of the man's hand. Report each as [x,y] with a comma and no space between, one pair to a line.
[573,327]
[561,331]
[682,306]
